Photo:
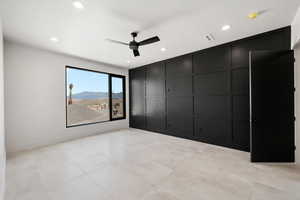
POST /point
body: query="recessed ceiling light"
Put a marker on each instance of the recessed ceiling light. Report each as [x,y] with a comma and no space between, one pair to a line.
[225,27]
[163,49]
[54,39]
[78,4]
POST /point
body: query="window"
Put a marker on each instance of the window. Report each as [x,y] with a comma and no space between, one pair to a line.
[93,97]
[117,85]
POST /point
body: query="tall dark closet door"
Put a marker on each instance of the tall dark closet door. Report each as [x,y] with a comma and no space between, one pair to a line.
[212,101]
[277,40]
[179,84]
[155,97]
[272,106]
[137,98]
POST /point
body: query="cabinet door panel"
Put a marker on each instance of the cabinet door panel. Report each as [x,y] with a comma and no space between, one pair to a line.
[211,84]
[156,114]
[240,81]
[180,96]
[137,101]
[240,50]
[181,66]
[179,76]
[155,86]
[213,131]
[180,116]
[241,135]
[155,97]
[212,107]
[211,60]
[241,108]
[180,86]
[272,106]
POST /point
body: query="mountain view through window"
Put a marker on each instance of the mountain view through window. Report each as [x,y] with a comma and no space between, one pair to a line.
[87,97]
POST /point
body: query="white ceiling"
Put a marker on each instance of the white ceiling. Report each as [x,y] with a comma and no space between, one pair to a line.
[180,24]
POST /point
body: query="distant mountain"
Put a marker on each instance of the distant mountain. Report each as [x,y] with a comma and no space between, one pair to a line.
[117,95]
[96,95]
[90,95]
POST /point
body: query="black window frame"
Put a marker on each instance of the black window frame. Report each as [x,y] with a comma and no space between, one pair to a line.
[110,76]
[110,97]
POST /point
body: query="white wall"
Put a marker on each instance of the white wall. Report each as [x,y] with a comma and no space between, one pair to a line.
[297,101]
[2,147]
[35,96]
[296,29]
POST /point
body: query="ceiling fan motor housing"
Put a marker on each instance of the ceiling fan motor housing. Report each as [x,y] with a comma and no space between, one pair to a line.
[133,45]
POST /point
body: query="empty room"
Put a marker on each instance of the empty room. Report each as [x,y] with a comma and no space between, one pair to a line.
[149,100]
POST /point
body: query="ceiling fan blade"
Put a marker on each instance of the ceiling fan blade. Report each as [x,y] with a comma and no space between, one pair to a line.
[149,41]
[136,53]
[117,42]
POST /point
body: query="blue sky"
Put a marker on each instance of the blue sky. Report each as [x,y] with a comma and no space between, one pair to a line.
[91,81]
[116,85]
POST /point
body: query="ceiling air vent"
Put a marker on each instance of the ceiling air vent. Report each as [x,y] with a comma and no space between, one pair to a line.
[210,37]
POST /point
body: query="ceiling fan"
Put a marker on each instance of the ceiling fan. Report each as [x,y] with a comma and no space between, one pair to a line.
[134,45]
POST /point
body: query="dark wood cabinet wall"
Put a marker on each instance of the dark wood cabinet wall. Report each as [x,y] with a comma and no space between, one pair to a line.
[202,96]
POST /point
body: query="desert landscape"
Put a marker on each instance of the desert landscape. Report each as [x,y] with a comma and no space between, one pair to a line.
[92,107]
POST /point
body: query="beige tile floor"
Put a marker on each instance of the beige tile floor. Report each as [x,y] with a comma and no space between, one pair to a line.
[139,165]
